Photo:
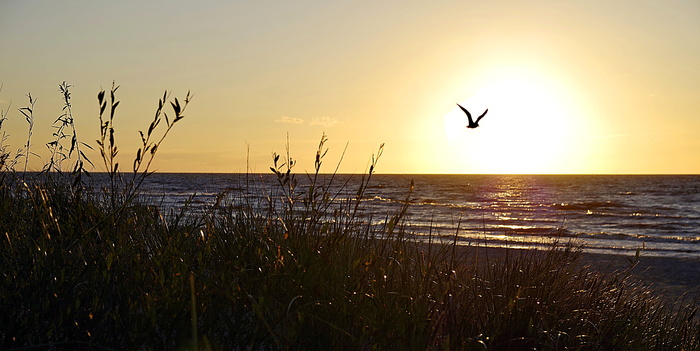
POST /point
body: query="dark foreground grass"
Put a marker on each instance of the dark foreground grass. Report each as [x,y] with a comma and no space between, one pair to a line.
[95,268]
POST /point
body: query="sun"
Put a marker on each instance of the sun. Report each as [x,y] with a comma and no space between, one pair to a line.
[529,128]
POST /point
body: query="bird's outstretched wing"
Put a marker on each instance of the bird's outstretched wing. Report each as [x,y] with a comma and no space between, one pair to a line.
[480,117]
[469,115]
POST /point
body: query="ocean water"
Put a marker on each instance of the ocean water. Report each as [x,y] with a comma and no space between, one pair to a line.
[611,214]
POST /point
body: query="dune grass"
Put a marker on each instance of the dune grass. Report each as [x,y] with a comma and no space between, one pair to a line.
[95,267]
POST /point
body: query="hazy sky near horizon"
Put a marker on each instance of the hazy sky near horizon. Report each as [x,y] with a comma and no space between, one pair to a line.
[571,86]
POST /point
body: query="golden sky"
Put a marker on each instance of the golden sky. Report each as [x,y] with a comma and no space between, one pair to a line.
[571,86]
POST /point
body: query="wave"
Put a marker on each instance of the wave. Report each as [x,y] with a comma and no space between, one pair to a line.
[428,201]
[587,205]
[641,237]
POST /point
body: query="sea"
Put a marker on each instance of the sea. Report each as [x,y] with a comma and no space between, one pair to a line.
[658,215]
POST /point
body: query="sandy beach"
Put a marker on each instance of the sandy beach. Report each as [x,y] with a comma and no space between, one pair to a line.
[676,279]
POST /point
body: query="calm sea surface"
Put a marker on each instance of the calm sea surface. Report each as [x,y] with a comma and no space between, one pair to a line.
[611,214]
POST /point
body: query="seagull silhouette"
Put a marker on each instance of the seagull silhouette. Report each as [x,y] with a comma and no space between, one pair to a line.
[472,123]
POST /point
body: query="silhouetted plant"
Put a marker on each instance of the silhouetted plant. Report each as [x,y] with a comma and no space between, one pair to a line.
[65,129]
[4,148]
[107,146]
[285,178]
[150,142]
[28,113]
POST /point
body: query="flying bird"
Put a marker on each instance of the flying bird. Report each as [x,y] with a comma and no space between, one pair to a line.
[472,123]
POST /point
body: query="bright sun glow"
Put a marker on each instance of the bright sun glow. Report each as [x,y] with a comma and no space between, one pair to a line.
[528,129]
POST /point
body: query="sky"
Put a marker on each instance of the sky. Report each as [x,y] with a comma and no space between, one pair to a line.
[582,87]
